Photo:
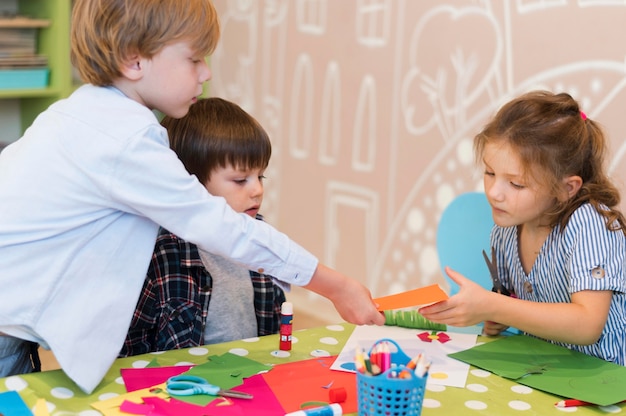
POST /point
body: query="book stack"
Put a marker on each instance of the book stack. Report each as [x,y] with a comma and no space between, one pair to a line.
[20,65]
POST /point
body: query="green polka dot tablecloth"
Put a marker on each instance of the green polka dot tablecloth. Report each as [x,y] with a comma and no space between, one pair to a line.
[484,393]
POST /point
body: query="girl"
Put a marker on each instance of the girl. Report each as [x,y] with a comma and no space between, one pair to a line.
[558,236]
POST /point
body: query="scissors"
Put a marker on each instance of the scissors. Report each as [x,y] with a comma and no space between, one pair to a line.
[492,265]
[187,385]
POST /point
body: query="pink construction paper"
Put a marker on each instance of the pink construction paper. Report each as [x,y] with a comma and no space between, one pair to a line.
[138,409]
[143,378]
[175,407]
[264,402]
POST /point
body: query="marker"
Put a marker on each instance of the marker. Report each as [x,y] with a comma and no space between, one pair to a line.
[384,357]
[330,410]
[359,360]
[571,403]
[286,320]
[422,367]
[574,402]
[413,363]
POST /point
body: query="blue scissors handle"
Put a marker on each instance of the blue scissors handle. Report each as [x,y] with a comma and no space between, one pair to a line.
[188,385]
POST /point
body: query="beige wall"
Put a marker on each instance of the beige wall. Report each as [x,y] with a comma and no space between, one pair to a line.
[372,105]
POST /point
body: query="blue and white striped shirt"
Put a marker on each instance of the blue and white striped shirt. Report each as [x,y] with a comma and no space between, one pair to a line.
[585,256]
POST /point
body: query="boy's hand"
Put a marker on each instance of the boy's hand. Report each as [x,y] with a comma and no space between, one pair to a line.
[351,299]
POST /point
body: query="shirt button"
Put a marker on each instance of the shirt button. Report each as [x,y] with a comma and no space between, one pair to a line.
[597,272]
[261,270]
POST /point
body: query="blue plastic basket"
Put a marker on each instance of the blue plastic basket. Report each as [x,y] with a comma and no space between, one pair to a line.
[382,395]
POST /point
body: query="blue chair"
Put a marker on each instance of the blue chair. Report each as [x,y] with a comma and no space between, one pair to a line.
[462,234]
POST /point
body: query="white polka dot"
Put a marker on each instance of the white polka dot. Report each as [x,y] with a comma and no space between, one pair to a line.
[106,396]
[444,195]
[62,393]
[181,363]
[450,165]
[480,373]
[119,380]
[478,388]
[197,351]
[140,364]
[280,354]
[329,341]
[16,383]
[435,387]
[336,328]
[567,409]
[475,405]
[239,351]
[519,405]
[253,339]
[397,286]
[294,340]
[596,86]
[415,220]
[431,403]
[157,352]
[610,409]
[320,353]
[465,151]
[429,260]
[519,389]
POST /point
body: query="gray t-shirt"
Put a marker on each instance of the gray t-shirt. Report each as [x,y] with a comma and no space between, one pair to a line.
[231,313]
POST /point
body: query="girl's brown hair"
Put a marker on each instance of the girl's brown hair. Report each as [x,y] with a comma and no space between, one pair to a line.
[218,133]
[105,33]
[554,139]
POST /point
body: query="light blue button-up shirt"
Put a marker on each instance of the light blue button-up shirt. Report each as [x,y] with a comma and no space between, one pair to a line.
[82,194]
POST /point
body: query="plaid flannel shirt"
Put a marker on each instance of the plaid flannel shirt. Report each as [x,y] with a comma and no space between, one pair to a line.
[172,309]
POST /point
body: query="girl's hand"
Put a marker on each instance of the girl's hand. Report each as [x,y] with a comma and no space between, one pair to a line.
[493,328]
[468,307]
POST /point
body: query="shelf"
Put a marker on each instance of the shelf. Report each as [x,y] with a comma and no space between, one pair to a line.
[29,93]
[23,22]
[53,41]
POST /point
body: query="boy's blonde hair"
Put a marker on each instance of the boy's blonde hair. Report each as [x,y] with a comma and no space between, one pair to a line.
[105,33]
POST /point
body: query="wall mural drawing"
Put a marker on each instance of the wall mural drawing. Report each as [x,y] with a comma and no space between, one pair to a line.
[372,106]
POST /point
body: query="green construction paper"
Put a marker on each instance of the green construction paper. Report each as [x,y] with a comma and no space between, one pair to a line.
[411,319]
[550,368]
[226,371]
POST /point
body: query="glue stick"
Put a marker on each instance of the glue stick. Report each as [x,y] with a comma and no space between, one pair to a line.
[330,410]
[286,320]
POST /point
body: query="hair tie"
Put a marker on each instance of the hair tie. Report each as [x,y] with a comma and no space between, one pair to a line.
[583,116]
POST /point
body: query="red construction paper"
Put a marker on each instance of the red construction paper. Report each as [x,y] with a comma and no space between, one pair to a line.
[142,378]
[421,296]
[301,382]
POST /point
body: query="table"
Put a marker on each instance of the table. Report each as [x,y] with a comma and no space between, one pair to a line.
[484,393]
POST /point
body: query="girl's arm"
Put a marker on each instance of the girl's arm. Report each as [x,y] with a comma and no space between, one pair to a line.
[579,322]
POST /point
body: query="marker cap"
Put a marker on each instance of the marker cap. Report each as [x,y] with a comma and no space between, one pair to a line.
[286,308]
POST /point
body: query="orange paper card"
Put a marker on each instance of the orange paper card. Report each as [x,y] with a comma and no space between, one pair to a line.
[415,297]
